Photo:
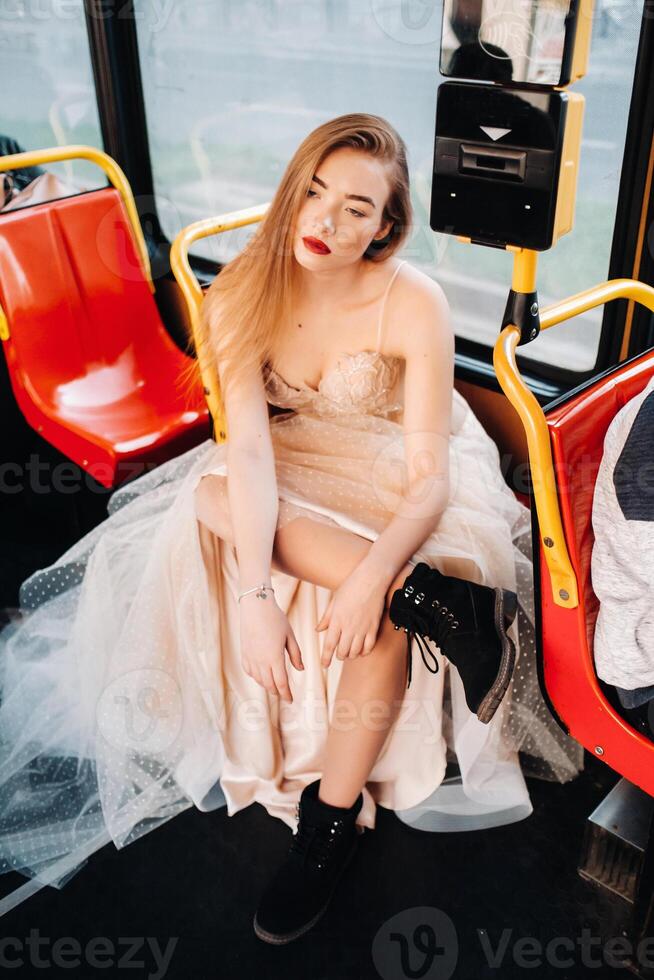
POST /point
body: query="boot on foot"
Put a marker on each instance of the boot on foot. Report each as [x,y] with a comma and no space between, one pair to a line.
[468,622]
[301,889]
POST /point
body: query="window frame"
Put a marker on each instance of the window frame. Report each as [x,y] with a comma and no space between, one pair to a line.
[115,60]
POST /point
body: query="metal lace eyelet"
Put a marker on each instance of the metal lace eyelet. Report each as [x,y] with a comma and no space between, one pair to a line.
[409,590]
[450,615]
[435,602]
[419,597]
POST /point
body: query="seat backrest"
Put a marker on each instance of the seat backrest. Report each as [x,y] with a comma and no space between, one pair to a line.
[577,430]
[69,270]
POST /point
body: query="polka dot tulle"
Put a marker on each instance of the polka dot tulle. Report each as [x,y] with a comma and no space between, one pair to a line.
[123,697]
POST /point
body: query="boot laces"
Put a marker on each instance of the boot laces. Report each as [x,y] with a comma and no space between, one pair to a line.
[437,626]
[315,843]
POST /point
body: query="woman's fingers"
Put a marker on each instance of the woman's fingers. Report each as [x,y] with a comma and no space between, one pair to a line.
[369,644]
[323,622]
[347,646]
[281,681]
[356,647]
[331,641]
[344,644]
[266,679]
[294,652]
[272,678]
[363,644]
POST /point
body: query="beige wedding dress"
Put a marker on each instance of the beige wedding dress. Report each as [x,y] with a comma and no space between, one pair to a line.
[124,701]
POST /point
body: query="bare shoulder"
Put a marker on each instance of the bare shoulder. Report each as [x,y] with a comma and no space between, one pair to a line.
[418,316]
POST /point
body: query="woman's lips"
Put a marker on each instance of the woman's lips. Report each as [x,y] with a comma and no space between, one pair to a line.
[315,245]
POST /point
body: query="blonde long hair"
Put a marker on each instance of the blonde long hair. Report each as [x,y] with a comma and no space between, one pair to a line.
[253,290]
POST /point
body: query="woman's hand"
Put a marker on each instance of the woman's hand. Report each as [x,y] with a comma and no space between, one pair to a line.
[353,615]
[265,634]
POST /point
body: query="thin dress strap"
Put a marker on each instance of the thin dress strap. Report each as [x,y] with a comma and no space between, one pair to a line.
[383,305]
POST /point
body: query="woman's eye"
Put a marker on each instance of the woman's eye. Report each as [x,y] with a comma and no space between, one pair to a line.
[358,214]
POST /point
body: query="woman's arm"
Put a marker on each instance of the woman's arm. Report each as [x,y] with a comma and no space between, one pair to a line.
[253,505]
[355,609]
[428,348]
[251,480]
[265,632]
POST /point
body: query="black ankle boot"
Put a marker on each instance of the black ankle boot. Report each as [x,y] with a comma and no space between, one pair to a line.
[468,622]
[300,891]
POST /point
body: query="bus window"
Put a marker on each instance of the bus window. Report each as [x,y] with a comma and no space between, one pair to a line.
[47,84]
[581,258]
[232,88]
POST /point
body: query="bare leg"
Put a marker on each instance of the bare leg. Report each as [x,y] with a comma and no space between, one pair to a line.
[371,688]
[325,556]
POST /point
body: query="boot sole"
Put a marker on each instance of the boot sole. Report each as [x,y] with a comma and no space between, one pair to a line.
[279,939]
[506,607]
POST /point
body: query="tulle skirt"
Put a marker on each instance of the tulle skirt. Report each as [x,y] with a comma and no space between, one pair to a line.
[123,698]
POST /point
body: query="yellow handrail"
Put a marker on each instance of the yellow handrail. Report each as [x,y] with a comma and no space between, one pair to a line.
[192,292]
[55,154]
[564,582]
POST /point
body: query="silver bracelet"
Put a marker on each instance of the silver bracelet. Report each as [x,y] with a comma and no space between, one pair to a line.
[260,590]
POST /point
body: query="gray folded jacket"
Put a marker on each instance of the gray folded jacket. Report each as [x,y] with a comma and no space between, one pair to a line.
[622,562]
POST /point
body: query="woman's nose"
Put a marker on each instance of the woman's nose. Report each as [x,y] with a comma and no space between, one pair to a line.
[326,223]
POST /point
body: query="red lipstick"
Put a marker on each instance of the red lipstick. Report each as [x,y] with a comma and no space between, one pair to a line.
[315,245]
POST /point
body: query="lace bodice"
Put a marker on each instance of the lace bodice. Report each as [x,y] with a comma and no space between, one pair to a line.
[361,382]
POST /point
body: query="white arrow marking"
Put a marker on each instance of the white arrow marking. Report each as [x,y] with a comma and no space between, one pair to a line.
[494,132]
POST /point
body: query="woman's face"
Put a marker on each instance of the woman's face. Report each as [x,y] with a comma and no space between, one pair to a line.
[343,210]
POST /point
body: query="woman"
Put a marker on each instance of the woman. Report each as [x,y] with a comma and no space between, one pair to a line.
[157,660]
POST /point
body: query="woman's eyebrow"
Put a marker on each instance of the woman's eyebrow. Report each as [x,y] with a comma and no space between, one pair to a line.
[351,197]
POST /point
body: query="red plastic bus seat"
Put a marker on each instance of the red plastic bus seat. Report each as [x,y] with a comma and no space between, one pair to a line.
[577,431]
[91,365]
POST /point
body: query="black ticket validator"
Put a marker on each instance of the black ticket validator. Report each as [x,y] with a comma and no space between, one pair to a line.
[505,164]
